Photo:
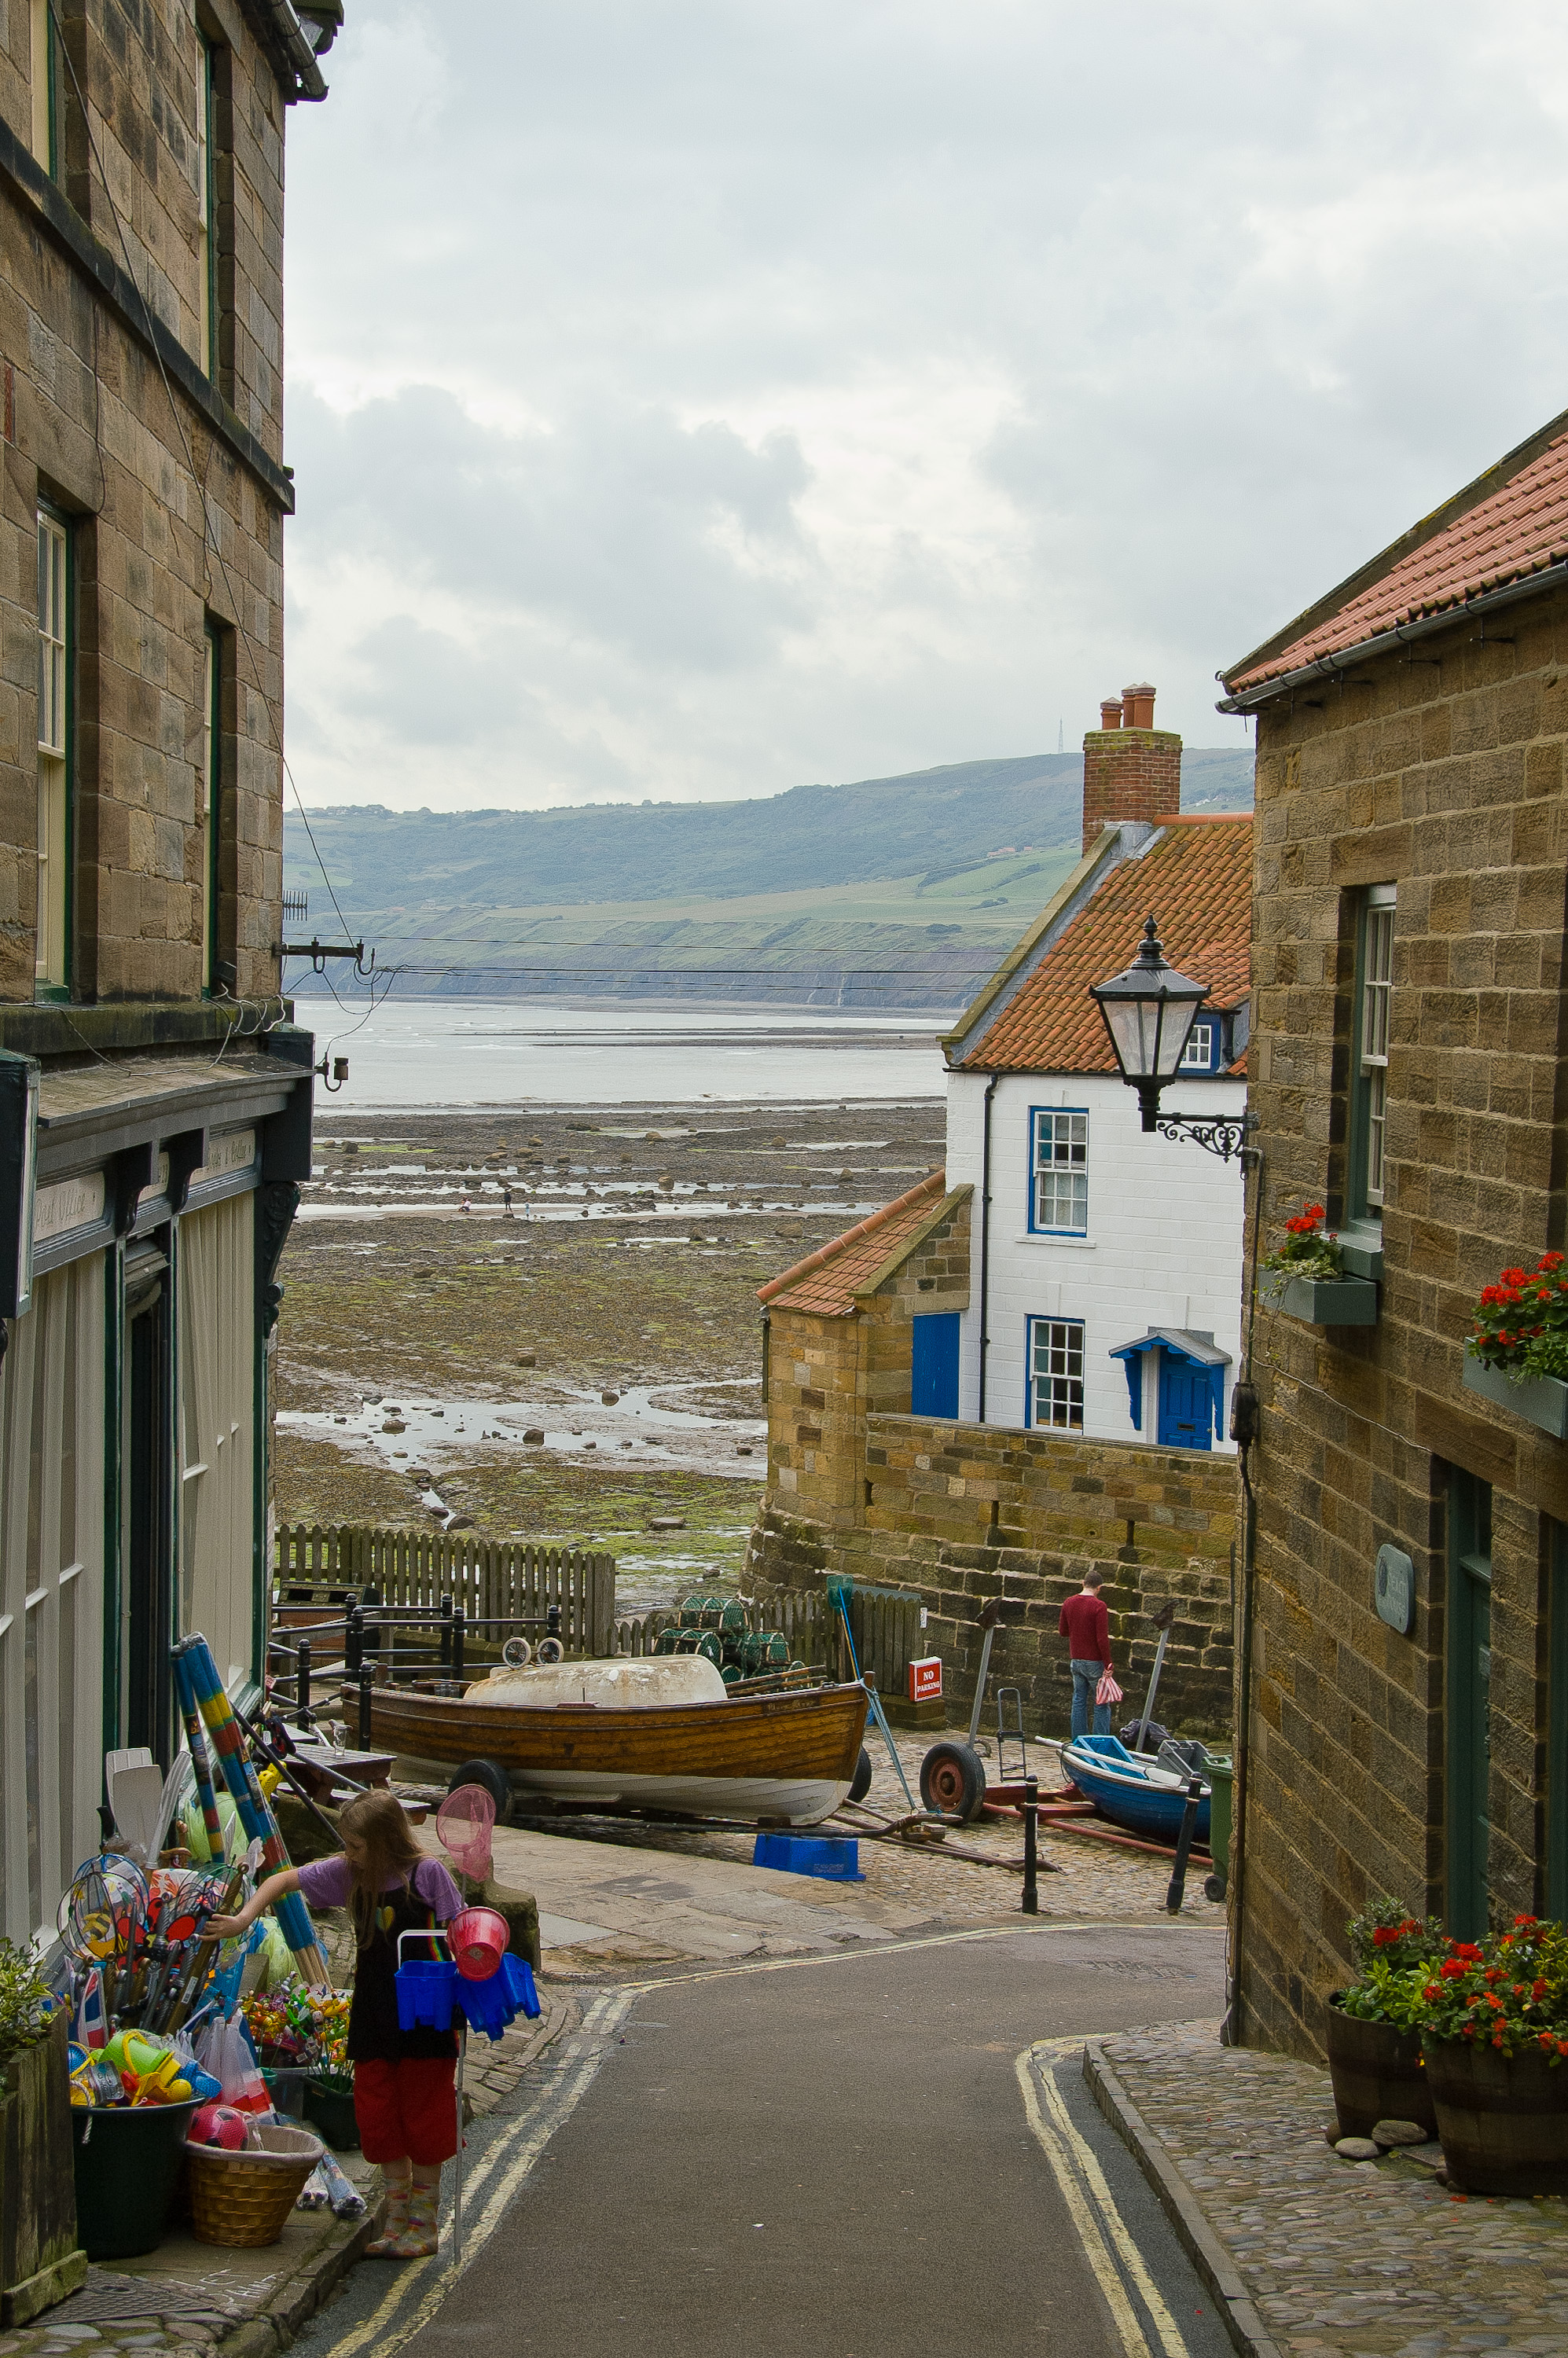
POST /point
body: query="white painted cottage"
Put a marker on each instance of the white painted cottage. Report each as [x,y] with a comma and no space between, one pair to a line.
[1105,1294]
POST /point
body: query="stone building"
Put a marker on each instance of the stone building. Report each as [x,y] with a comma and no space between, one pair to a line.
[155,1097]
[1407,1658]
[1024,1364]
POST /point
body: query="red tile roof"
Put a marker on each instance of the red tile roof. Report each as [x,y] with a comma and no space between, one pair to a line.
[1196,879]
[1511,523]
[828,1279]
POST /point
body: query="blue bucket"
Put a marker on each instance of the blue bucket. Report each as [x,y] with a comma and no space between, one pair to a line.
[836,1858]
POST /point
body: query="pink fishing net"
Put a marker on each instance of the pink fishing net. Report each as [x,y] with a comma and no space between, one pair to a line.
[463,1823]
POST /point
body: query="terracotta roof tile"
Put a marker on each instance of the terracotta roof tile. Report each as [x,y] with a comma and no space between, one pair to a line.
[828,1280]
[1197,881]
[1518,530]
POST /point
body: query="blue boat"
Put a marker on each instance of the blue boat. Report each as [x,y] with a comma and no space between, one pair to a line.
[1146,1794]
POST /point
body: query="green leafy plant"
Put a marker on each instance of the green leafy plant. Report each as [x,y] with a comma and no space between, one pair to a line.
[1508,1992]
[1308,1250]
[1520,1323]
[1387,1993]
[1387,1934]
[27,2003]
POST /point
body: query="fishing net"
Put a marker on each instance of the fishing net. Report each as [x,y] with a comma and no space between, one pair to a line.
[464,1823]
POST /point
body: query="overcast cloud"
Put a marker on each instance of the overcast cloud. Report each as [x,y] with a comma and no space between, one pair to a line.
[691,400]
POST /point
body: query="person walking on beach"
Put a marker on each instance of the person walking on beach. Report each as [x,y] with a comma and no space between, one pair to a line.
[1085,1625]
[506,1203]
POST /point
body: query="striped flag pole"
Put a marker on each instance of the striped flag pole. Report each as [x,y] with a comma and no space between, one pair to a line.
[199,1759]
[251,1803]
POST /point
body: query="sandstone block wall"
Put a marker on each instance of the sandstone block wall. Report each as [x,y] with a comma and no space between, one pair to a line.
[88,426]
[1445,777]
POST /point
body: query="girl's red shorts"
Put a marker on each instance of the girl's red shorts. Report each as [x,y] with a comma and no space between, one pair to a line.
[408,2110]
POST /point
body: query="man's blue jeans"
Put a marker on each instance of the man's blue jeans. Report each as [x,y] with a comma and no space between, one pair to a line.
[1086,1676]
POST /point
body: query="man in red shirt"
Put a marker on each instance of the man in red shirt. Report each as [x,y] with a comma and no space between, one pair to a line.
[1085,1625]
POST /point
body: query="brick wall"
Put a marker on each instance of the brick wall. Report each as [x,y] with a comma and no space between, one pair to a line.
[965,1513]
[826,1375]
[94,433]
[1130,773]
[1445,777]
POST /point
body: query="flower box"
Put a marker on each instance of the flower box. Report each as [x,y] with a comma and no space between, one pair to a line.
[1541,1400]
[1328,1301]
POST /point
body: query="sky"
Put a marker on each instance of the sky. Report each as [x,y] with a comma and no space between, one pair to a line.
[693,398]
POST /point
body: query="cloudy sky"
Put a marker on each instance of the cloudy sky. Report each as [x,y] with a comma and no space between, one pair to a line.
[690,398]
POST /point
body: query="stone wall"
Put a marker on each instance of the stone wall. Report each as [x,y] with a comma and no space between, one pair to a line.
[1444,778]
[965,1513]
[88,426]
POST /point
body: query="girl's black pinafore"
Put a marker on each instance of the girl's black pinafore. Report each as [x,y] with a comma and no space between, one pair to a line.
[372,2012]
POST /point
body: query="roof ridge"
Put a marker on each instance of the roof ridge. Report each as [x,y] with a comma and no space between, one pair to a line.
[934,1183]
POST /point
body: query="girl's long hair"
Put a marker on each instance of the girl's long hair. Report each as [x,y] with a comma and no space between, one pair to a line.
[390,1854]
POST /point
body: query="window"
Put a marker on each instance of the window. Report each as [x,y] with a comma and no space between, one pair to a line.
[45,87]
[206,210]
[212,791]
[1056,1373]
[1197,1057]
[52,951]
[1060,1192]
[1374,990]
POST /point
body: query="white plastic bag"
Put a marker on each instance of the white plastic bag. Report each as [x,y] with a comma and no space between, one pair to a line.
[226,2052]
[1108,1690]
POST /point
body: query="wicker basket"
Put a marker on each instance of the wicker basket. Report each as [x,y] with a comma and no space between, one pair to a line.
[244,2199]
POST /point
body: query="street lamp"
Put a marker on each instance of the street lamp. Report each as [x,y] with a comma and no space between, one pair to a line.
[1149,1011]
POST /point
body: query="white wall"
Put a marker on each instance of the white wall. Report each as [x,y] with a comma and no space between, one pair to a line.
[1163,1246]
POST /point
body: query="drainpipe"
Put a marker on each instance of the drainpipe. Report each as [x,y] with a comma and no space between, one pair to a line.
[1244,1423]
[986,1243]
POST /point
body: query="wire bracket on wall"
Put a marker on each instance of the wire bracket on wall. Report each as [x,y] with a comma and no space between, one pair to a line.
[1220,1134]
[319,952]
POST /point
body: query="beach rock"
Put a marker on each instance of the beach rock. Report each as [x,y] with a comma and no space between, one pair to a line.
[536,1434]
[527,1359]
[666,1523]
[743,1449]
[1356,2149]
[1399,2132]
[461,1523]
[393,1425]
[609,1398]
[371,1399]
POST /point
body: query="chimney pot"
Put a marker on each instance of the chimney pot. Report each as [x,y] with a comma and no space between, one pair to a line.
[1138,706]
[1110,712]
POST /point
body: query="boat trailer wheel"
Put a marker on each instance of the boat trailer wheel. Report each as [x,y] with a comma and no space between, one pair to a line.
[861,1782]
[953,1780]
[492,1779]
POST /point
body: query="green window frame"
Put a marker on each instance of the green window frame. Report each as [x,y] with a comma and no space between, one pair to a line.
[1468,1682]
[211,809]
[1557,1724]
[207,205]
[56,754]
[1369,1052]
[44,70]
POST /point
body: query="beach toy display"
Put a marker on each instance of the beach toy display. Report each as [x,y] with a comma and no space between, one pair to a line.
[477,1938]
[493,2004]
[425,1986]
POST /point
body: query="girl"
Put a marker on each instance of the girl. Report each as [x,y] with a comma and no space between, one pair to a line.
[405,2099]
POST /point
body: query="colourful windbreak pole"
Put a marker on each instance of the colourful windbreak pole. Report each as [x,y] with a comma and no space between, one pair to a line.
[196,1673]
[200,1762]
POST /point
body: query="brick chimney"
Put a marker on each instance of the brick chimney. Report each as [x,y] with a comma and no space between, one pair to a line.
[1131,770]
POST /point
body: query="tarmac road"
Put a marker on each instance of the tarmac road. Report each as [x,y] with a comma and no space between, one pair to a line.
[846,2156]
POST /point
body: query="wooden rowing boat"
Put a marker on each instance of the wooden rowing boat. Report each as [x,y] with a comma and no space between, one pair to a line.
[787,1757]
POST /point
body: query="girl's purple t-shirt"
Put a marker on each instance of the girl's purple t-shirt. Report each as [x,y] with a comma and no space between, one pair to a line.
[329,1883]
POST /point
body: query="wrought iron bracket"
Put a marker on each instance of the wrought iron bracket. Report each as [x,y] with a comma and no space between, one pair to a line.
[1221,1134]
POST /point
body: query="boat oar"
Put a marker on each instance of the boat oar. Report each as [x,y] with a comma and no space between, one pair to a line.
[1162,1621]
[839,1595]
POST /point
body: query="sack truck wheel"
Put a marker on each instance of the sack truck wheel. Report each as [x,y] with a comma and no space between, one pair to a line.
[493,1777]
[953,1780]
[861,1782]
[549,1651]
[1214,1888]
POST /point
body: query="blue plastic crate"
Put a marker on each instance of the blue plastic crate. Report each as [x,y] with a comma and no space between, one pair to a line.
[835,1857]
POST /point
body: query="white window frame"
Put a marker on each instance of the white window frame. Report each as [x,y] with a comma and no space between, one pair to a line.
[1065,1172]
[1197,1057]
[1054,1379]
[1376,967]
[51,950]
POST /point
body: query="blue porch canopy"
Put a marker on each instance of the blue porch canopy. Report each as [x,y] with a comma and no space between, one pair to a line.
[1199,1351]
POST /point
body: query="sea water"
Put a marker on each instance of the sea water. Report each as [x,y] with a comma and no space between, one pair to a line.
[438,1052]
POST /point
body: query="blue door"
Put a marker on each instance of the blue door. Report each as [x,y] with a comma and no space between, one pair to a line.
[933,1366]
[1186,1405]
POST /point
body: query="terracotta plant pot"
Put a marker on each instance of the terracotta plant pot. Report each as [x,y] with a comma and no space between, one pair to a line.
[1376,2073]
[1503,2119]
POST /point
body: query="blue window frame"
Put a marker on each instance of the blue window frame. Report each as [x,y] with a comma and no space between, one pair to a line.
[1054,1399]
[1058,1171]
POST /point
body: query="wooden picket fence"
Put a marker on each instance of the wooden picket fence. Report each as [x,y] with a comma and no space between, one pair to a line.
[321,1565]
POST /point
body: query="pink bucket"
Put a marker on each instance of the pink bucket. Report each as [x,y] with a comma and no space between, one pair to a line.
[479,1938]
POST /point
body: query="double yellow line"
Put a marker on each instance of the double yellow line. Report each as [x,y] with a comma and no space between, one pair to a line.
[1102,2233]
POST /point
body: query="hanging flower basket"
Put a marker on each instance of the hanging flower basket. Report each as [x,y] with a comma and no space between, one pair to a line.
[1516,1355]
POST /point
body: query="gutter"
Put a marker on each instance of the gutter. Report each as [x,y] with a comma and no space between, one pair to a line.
[298,49]
[1249,699]
[985,1247]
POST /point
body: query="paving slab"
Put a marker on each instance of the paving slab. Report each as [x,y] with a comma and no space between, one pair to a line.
[1313,2256]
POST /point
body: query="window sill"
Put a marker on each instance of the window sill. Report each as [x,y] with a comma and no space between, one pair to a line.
[1361,1250]
[1054,1237]
[1540,1400]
